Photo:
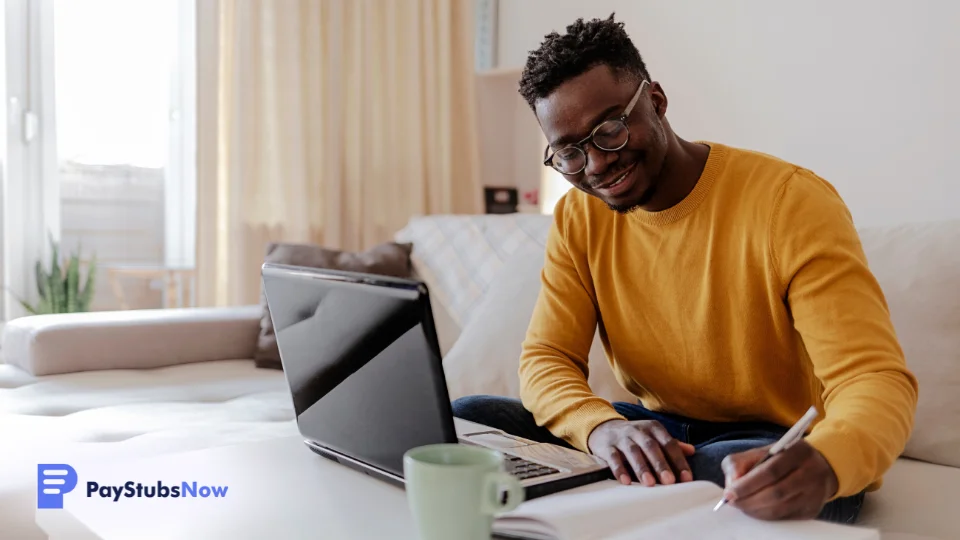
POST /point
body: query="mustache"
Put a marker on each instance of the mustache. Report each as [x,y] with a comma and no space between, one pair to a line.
[594,183]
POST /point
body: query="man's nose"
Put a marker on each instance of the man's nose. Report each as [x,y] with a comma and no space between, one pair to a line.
[598,161]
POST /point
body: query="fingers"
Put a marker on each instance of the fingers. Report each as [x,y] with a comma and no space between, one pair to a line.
[675,454]
[766,474]
[617,465]
[649,450]
[638,460]
[655,456]
[736,465]
[688,449]
[800,494]
[793,497]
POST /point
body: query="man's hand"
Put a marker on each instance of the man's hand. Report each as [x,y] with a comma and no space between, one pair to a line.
[644,446]
[794,484]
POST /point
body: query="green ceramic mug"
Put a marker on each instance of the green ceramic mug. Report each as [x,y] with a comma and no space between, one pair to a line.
[454,490]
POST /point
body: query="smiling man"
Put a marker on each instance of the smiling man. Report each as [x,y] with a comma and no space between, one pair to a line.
[731,292]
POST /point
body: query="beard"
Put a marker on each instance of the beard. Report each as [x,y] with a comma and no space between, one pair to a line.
[658,140]
[624,209]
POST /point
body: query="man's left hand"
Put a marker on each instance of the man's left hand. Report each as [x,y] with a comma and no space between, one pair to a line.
[794,484]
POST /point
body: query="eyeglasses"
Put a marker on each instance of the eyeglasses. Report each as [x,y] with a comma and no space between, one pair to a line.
[609,136]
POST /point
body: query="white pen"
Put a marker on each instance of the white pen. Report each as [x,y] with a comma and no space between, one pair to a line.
[792,435]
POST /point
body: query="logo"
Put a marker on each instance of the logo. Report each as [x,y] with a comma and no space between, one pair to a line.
[137,490]
[53,481]
[56,480]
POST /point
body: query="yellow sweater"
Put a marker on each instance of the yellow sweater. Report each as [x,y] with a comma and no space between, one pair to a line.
[751,299]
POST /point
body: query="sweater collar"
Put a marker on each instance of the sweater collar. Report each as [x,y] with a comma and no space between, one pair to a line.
[696,196]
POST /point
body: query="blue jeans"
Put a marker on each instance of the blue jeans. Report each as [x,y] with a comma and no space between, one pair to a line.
[713,441]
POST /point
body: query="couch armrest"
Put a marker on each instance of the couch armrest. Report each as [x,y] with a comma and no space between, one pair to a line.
[135,339]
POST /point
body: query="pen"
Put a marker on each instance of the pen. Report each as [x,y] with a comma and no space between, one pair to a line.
[794,434]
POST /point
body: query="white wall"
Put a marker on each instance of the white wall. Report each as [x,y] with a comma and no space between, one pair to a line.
[510,137]
[862,92]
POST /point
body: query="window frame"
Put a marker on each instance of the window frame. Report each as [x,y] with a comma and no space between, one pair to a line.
[30,195]
[180,187]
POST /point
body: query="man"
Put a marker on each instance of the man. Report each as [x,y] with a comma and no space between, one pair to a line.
[731,291]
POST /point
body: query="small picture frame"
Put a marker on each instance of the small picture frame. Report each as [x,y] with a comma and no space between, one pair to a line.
[501,200]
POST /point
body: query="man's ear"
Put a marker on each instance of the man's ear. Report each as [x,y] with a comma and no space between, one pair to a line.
[659,99]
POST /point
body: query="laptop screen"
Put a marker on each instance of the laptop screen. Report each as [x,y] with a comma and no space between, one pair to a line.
[360,356]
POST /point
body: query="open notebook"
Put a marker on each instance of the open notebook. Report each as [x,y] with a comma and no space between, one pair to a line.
[611,511]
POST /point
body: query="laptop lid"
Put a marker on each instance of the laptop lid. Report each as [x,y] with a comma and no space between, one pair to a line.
[361,358]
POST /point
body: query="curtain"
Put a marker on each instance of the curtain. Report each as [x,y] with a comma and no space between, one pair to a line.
[330,122]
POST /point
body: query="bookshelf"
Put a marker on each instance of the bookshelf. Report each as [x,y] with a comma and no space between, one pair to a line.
[511,143]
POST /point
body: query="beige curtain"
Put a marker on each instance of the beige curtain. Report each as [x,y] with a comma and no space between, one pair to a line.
[330,122]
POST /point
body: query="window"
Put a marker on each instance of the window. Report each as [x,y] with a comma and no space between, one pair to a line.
[104,161]
[553,187]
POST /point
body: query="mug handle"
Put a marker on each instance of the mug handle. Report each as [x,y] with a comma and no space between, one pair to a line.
[491,493]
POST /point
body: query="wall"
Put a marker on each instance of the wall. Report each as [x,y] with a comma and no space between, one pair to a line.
[862,92]
[511,142]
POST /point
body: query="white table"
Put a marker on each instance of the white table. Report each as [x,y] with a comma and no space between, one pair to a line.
[276,489]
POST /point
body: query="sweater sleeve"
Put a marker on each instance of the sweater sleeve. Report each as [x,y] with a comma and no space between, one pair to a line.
[554,362]
[842,317]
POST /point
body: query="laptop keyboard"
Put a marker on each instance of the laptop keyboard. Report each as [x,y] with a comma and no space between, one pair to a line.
[523,469]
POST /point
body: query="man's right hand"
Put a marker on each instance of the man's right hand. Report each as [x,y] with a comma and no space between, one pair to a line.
[644,447]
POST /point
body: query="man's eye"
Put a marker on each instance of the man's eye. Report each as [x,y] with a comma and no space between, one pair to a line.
[610,128]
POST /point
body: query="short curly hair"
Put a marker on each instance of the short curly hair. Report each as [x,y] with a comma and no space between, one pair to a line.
[585,45]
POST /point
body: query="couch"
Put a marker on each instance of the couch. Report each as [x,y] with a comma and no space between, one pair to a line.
[127,384]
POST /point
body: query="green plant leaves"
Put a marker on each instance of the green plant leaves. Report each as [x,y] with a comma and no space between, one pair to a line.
[86,296]
[72,284]
[42,279]
[59,290]
[56,280]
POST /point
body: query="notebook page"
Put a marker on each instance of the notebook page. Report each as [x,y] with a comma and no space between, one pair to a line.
[601,510]
[702,523]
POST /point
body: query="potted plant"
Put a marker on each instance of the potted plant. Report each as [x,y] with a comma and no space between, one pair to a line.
[59,289]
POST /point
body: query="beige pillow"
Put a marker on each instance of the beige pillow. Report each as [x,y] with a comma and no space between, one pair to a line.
[390,259]
[485,358]
[918,267]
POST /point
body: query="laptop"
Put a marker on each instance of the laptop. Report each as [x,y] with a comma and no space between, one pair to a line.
[363,364]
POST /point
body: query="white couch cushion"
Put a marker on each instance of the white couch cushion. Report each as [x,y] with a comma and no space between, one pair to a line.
[918,267]
[917,500]
[75,342]
[458,256]
[118,405]
[485,358]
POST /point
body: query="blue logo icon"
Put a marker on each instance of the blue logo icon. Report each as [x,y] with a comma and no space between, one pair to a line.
[53,481]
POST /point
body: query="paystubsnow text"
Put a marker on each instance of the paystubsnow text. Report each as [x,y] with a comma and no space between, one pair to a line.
[136,490]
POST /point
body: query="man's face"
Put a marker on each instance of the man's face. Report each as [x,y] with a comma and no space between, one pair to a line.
[575,108]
